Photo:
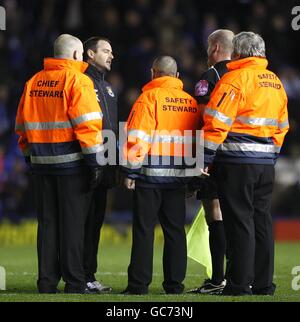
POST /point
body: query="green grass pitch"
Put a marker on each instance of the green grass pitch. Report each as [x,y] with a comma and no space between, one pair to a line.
[20,263]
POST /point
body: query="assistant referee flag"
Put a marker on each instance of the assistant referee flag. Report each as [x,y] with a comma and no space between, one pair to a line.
[198,242]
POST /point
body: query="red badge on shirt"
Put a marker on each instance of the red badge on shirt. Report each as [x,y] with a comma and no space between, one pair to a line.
[201,88]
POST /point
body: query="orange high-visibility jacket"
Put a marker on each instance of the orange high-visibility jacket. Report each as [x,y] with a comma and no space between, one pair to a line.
[161,134]
[246,118]
[59,120]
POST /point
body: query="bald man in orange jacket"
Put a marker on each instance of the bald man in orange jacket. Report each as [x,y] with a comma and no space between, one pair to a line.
[161,137]
[59,125]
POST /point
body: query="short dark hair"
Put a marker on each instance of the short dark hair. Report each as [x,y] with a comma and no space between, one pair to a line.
[91,43]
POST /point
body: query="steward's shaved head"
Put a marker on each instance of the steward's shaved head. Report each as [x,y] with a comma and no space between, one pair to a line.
[66,45]
[224,38]
[164,66]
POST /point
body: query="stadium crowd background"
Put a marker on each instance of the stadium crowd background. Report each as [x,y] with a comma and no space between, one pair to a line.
[139,30]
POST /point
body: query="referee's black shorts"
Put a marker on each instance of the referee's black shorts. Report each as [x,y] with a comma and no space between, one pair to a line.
[206,187]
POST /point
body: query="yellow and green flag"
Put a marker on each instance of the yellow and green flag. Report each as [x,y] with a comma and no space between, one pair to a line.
[198,242]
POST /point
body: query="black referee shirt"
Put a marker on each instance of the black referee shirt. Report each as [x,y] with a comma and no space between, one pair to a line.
[208,81]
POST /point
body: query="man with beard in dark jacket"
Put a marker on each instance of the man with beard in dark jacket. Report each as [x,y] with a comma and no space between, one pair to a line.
[98,53]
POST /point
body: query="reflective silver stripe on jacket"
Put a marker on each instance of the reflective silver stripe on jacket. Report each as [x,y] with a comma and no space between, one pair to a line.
[277,148]
[259,121]
[218,115]
[211,145]
[178,139]
[132,166]
[140,134]
[156,138]
[57,158]
[93,149]
[87,117]
[284,124]
[151,172]
[251,147]
[47,125]
[168,160]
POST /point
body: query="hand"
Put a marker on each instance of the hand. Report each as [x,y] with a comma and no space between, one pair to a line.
[190,193]
[27,160]
[204,173]
[129,183]
[28,164]
[96,177]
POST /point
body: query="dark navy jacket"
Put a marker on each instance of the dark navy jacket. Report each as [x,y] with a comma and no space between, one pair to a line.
[108,101]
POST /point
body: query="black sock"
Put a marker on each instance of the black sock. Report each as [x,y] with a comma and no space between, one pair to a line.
[217,244]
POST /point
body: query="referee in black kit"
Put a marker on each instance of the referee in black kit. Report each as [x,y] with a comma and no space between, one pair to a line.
[219,53]
[99,54]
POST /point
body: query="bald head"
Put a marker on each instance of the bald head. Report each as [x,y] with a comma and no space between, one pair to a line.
[68,47]
[220,46]
[224,38]
[164,66]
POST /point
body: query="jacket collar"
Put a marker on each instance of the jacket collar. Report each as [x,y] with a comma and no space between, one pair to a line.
[95,72]
[164,82]
[249,62]
[221,63]
[59,63]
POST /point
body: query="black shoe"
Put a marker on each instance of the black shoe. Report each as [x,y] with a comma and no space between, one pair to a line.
[56,291]
[79,291]
[130,292]
[174,292]
[236,291]
[209,288]
[265,291]
[172,287]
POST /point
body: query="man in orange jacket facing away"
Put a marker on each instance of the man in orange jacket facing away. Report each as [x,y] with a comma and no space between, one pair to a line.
[157,170]
[59,124]
[245,123]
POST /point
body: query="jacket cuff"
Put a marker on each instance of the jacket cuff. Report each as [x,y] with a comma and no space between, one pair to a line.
[130,173]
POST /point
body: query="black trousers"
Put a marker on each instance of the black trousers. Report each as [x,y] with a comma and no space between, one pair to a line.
[93,226]
[62,204]
[245,197]
[167,205]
